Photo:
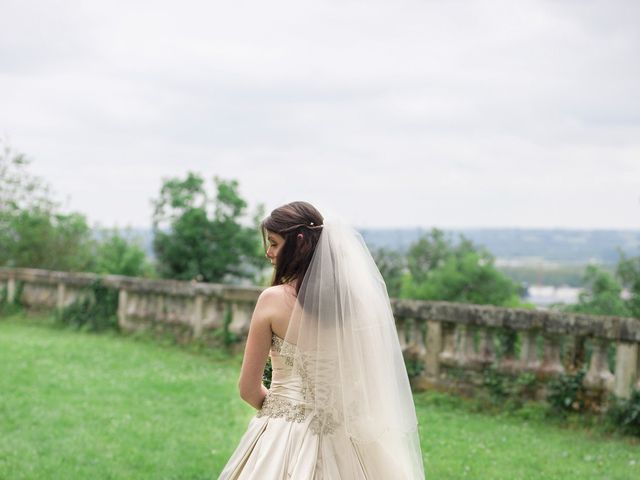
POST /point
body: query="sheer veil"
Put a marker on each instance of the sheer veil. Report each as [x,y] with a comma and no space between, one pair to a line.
[343,343]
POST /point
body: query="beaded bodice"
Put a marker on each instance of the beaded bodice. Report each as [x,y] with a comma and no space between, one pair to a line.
[293,394]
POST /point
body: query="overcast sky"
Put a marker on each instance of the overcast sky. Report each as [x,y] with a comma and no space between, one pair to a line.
[391,113]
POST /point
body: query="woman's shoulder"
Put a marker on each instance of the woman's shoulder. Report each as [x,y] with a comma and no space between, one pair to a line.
[277,293]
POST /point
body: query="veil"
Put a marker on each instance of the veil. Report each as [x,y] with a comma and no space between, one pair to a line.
[342,342]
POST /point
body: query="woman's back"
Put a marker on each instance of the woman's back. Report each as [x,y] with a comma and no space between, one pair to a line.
[283,304]
[340,404]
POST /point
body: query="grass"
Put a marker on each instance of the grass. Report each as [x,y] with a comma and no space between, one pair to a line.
[86,406]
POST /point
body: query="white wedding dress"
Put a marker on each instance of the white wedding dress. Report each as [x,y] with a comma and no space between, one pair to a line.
[284,442]
[340,405]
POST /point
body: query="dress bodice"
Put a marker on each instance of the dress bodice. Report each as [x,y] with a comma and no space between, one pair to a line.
[293,394]
[286,382]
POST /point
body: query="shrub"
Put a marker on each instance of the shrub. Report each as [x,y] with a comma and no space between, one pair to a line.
[624,414]
[567,392]
[507,388]
[94,311]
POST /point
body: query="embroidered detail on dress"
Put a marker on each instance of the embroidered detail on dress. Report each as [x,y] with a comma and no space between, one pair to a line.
[276,406]
[284,348]
[323,422]
[279,407]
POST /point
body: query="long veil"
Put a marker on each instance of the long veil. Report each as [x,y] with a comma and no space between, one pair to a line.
[343,343]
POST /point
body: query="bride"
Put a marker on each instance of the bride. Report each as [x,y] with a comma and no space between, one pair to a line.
[339,405]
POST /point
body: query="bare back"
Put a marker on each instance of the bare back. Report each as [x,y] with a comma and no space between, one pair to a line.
[283,309]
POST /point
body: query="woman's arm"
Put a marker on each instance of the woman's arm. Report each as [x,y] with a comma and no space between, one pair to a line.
[256,350]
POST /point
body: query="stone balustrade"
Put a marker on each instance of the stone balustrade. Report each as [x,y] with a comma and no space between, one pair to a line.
[454,342]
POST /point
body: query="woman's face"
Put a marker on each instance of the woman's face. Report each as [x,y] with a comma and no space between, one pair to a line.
[275,242]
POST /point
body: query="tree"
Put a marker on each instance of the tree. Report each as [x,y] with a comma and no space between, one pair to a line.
[33,232]
[118,255]
[198,236]
[439,270]
[392,266]
[601,295]
[19,189]
[628,271]
[54,241]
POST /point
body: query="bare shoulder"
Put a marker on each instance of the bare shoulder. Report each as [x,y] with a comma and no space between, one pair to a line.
[274,298]
[277,292]
[276,303]
[271,294]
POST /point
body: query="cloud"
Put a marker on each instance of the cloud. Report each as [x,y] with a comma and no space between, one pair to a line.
[396,113]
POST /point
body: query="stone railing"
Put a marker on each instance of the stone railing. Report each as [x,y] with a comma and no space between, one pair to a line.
[453,338]
[454,342]
[188,309]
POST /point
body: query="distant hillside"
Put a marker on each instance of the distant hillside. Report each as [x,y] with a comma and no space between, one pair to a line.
[552,245]
[530,246]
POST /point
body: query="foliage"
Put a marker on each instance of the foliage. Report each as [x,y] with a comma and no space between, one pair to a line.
[19,189]
[118,255]
[567,393]
[33,232]
[601,295]
[267,374]
[10,308]
[412,362]
[95,310]
[43,239]
[504,387]
[628,270]
[625,413]
[557,275]
[464,273]
[199,236]
[392,265]
[229,337]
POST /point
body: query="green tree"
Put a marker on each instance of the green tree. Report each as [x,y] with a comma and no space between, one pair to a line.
[118,255]
[33,232]
[628,271]
[19,189]
[392,266]
[54,241]
[601,295]
[440,270]
[199,236]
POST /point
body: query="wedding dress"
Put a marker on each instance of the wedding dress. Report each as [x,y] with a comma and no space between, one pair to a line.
[339,406]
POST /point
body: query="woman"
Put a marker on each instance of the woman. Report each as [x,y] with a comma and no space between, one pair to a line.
[340,405]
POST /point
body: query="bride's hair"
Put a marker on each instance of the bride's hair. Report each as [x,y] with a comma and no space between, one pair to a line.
[300,224]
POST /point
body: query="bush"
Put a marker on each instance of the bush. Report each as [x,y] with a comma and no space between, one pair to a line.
[9,308]
[94,311]
[624,414]
[507,388]
[567,393]
[412,362]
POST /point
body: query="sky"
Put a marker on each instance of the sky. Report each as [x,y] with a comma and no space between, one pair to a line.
[452,114]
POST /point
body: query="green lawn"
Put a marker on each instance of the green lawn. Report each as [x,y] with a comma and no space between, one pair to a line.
[78,405]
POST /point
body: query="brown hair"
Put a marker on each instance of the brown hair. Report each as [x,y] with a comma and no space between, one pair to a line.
[291,220]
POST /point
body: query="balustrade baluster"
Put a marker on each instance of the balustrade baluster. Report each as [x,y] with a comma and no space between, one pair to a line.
[449,340]
[122,308]
[486,348]
[551,363]
[418,337]
[626,368]
[529,360]
[508,362]
[599,375]
[434,347]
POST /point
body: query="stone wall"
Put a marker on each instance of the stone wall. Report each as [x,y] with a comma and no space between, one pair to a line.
[454,342]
